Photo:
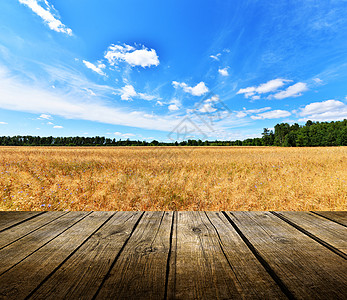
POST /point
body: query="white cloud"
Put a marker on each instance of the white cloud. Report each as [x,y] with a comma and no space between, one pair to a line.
[72,104]
[45,116]
[207,108]
[273,114]
[128,92]
[267,87]
[47,16]
[329,110]
[255,97]
[124,135]
[173,107]
[245,112]
[318,80]
[90,92]
[224,72]
[58,127]
[292,91]
[97,69]
[198,90]
[50,123]
[241,114]
[143,57]
[146,96]
[215,57]
[160,103]
[3,123]
[258,110]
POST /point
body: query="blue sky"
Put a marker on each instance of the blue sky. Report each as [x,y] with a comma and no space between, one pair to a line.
[170,70]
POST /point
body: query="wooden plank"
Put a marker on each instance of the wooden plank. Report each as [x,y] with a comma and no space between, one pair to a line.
[24,247]
[337,216]
[255,281]
[198,267]
[18,232]
[82,274]
[140,270]
[20,281]
[324,229]
[11,218]
[306,268]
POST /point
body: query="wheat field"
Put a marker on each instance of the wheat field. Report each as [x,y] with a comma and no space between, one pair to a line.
[173,178]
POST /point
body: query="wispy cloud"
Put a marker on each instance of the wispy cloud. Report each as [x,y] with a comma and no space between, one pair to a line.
[273,114]
[215,57]
[58,127]
[124,135]
[97,69]
[245,112]
[264,88]
[41,100]
[198,90]
[143,57]
[47,15]
[329,110]
[3,123]
[294,90]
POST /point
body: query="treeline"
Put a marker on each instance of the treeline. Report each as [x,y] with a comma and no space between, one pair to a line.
[308,135]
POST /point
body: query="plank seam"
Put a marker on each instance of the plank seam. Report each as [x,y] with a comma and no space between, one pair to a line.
[312,236]
[325,217]
[116,258]
[169,258]
[44,243]
[225,255]
[23,236]
[20,222]
[156,233]
[68,257]
[263,262]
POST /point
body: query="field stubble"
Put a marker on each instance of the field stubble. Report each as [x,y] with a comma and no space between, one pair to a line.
[173,178]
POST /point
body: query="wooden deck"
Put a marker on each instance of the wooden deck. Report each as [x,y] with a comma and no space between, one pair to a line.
[173,255]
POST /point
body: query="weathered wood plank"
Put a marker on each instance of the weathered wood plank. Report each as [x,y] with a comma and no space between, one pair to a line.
[18,232]
[254,280]
[140,270]
[307,269]
[82,274]
[25,277]
[11,218]
[337,216]
[324,229]
[198,267]
[25,246]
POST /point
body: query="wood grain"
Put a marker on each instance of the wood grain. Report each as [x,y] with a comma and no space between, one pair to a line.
[140,270]
[11,219]
[25,277]
[173,255]
[254,280]
[20,231]
[308,269]
[337,216]
[198,267]
[82,274]
[324,229]
[22,248]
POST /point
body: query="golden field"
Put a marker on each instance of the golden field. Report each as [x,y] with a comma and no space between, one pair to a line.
[173,178]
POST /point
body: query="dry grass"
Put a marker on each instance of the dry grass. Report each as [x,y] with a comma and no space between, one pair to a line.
[136,178]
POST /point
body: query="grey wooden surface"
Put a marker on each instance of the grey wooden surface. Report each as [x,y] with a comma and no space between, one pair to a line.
[173,255]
